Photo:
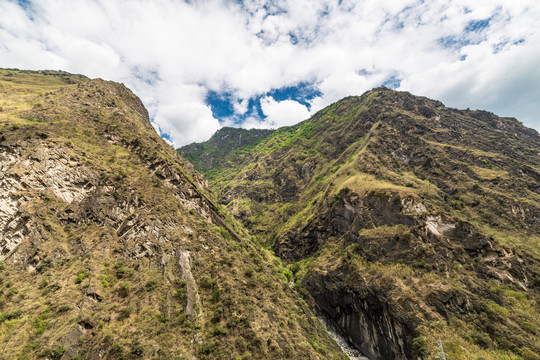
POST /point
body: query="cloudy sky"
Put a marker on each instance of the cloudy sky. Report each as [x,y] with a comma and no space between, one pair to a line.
[202,64]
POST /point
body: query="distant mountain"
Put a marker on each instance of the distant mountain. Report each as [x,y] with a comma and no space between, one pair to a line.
[227,144]
[112,247]
[412,227]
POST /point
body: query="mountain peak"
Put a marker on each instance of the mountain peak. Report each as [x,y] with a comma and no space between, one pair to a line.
[111,246]
[398,213]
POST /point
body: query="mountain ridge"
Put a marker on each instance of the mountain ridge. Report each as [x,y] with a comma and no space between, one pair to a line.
[113,247]
[439,206]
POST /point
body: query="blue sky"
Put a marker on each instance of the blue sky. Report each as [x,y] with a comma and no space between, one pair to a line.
[200,65]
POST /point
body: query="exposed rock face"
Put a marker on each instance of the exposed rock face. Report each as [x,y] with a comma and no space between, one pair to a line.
[193,297]
[112,247]
[363,314]
[364,319]
[407,222]
[347,215]
[25,174]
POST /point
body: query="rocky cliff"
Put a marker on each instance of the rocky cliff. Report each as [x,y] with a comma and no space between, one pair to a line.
[112,247]
[412,227]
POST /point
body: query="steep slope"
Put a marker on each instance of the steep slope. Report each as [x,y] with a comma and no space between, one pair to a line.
[411,226]
[112,248]
[226,145]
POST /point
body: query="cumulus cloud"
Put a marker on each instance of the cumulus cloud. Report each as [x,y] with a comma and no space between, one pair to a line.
[283,113]
[173,53]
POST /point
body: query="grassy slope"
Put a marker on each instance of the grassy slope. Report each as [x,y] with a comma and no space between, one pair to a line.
[465,165]
[226,145]
[247,309]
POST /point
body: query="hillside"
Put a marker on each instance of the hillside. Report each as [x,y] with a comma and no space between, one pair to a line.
[226,145]
[412,227]
[112,246]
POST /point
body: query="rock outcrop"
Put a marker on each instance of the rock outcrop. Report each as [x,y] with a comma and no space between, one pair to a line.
[410,226]
[111,245]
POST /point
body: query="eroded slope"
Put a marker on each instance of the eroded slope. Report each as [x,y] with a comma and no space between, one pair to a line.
[411,226]
[111,246]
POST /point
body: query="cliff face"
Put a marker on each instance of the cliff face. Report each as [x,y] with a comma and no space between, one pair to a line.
[412,227]
[112,247]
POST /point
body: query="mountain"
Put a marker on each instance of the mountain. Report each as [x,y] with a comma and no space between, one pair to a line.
[112,247]
[226,145]
[411,227]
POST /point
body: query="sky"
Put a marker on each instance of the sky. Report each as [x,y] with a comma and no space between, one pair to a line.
[199,65]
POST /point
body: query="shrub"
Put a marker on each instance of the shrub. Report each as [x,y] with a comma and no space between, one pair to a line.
[40,324]
[419,347]
[215,294]
[248,273]
[117,351]
[233,322]
[12,291]
[137,349]
[218,314]
[529,327]
[218,331]
[296,267]
[81,275]
[124,288]
[44,284]
[208,283]
[124,314]
[10,316]
[55,353]
[121,271]
[63,308]
[481,338]
[151,285]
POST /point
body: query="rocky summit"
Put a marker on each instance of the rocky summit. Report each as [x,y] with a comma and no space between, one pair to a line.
[113,247]
[410,227]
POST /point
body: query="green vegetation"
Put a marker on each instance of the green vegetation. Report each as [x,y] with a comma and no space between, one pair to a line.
[227,144]
[401,201]
[129,254]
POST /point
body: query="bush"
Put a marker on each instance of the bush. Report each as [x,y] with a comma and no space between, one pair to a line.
[215,294]
[218,314]
[117,351]
[10,316]
[81,275]
[55,353]
[151,285]
[137,349]
[12,291]
[40,324]
[218,331]
[529,327]
[481,338]
[208,283]
[124,314]
[248,273]
[121,271]
[63,308]
[124,288]
[419,347]
[296,267]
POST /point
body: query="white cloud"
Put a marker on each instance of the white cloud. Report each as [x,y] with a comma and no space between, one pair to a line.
[283,113]
[172,52]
